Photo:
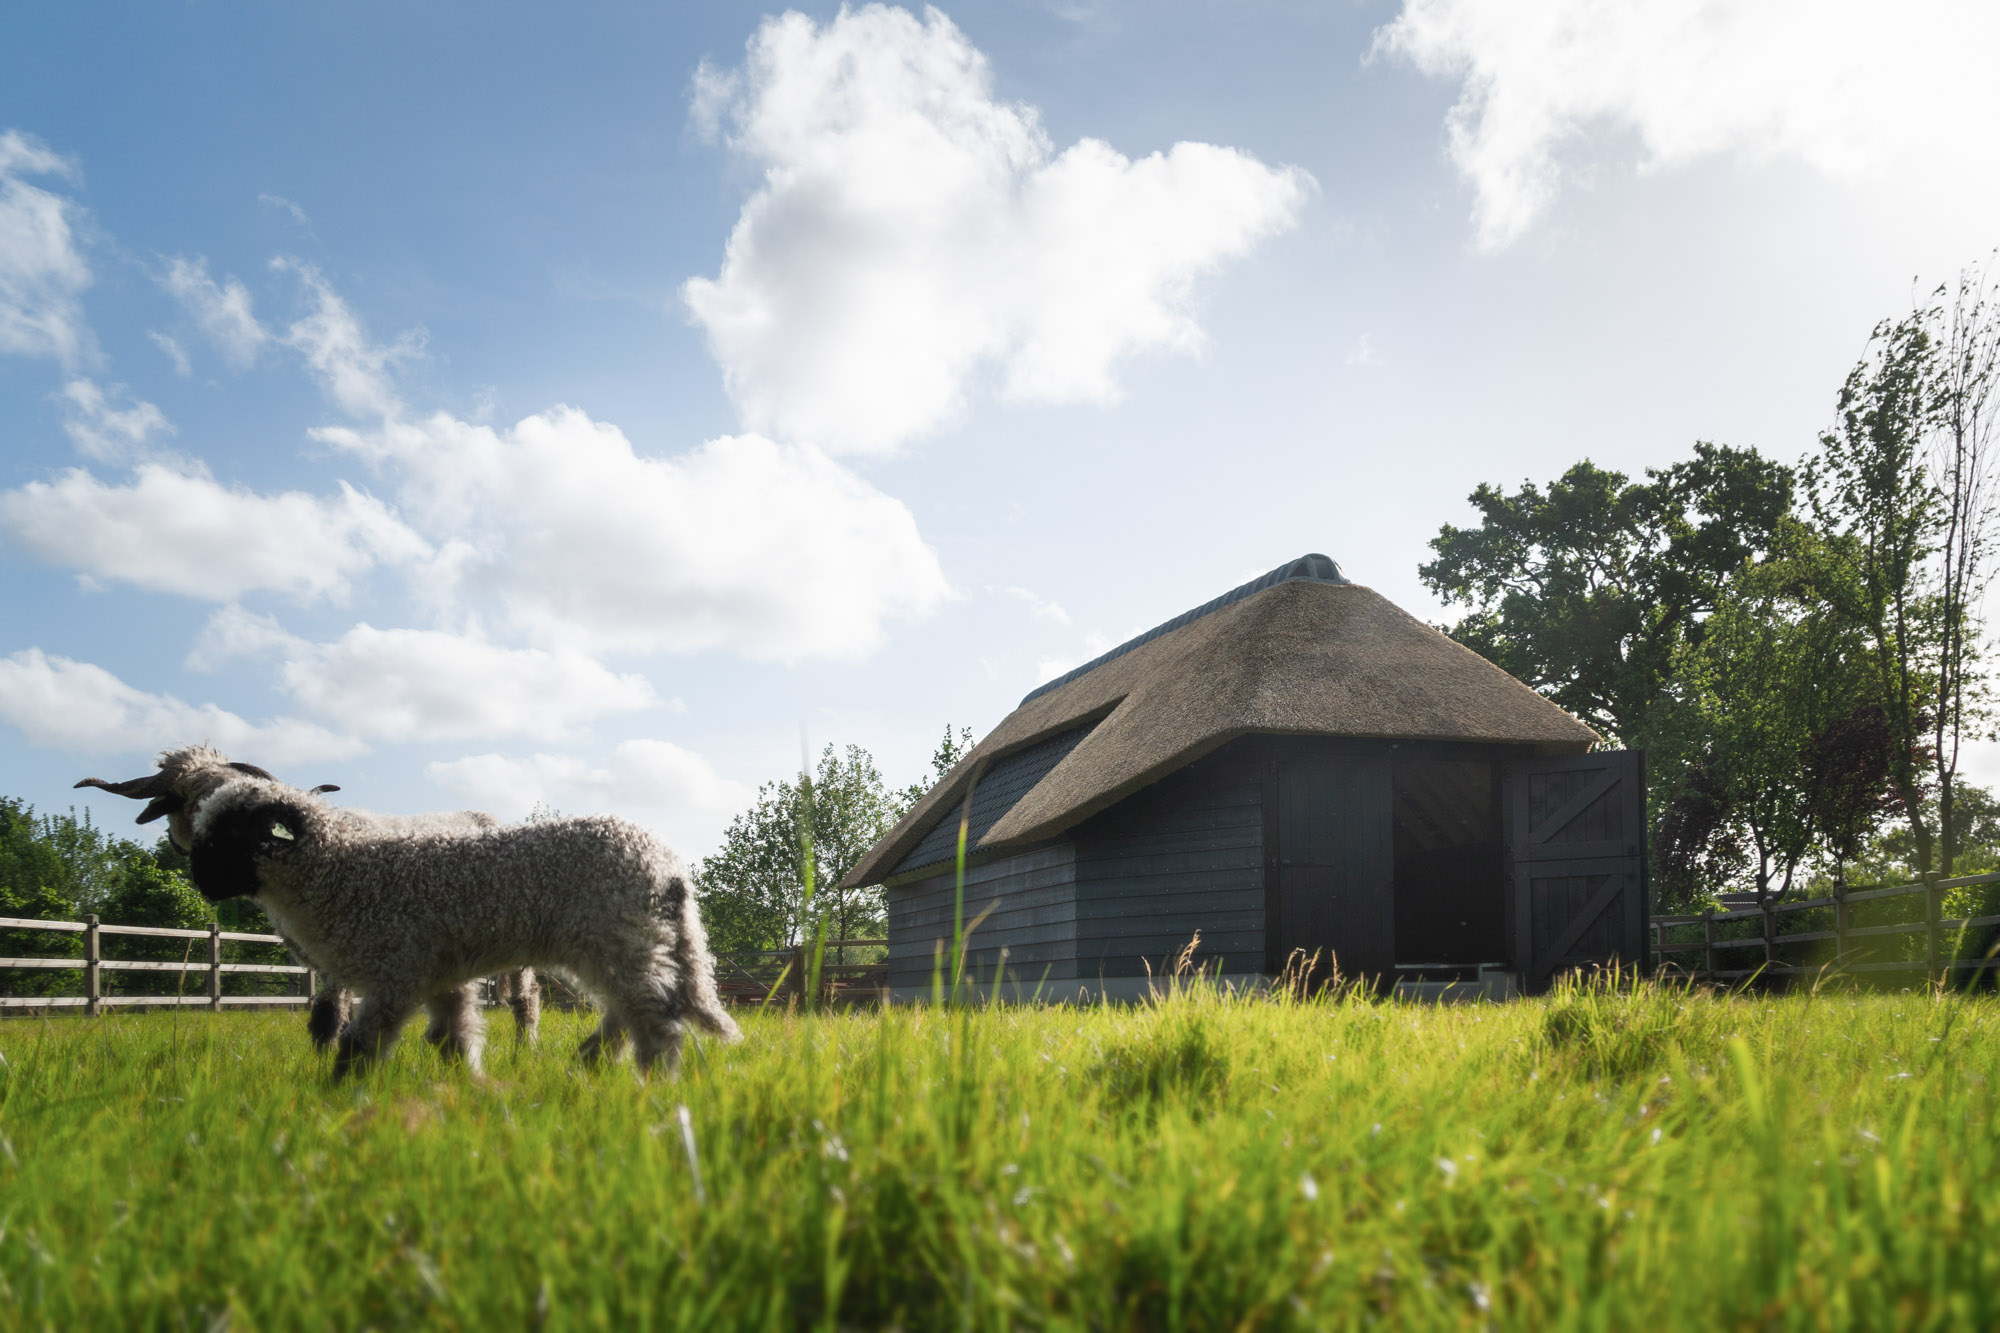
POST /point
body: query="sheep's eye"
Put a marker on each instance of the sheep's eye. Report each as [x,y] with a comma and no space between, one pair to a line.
[280,831]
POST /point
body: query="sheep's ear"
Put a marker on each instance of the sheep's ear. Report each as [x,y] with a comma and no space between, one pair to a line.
[253,771]
[280,835]
[325,787]
[161,805]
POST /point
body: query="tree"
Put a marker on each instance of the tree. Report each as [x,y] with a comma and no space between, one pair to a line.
[1773,683]
[1968,370]
[1848,766]
[950,750]
[33,883]
[61,868]
[1589,589]
[752,888]
[1899,484]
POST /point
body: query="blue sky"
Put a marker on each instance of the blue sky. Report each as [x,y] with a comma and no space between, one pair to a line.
[484,405]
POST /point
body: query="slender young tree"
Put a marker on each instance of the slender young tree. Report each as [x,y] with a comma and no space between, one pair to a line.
[1905,482]
[1968,404]
[1870,488]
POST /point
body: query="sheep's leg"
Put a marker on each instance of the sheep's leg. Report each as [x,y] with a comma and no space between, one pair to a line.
[607,1043]
[367,1038]
[655,1017]
[524,996]
[456,1028]
[327,1016]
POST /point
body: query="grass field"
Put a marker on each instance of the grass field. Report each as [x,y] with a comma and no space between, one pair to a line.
[1597,1160]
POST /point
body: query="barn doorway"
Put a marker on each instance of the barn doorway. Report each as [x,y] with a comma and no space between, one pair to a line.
[1450,882]
[1333,862]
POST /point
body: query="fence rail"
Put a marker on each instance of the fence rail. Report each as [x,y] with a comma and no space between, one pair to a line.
[93,964]
[745,976]
[1941,934]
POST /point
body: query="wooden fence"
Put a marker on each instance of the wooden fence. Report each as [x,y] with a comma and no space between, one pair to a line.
[1830,921]
[94,965]
[852,971]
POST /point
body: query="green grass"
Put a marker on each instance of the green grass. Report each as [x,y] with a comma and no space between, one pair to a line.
[1593,1160]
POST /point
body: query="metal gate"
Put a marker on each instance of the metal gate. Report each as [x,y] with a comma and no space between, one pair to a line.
[1576,838]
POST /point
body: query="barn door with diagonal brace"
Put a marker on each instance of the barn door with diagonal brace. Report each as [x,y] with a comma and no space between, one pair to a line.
[1576,841]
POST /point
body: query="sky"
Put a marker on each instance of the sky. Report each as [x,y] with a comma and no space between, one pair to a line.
[594,406]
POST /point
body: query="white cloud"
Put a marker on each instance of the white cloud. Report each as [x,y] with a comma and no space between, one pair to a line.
[1364,353]
[175,353]
[1041,608]
[771,550]
[71,705]
[106,432]
[654,782]
[911,230]
[180,531]
[279,201]
[224,311]
[42,273]
[582,544]
[1095,645]
[353,370]
[1850,88]
[411,684]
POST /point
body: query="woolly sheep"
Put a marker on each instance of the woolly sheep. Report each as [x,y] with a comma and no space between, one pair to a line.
[407,918]
[191,774]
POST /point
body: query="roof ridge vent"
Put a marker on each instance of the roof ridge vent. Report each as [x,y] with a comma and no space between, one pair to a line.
[1312,567]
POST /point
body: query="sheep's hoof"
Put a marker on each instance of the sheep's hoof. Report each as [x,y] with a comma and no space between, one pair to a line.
[349,1060]
[323,1025]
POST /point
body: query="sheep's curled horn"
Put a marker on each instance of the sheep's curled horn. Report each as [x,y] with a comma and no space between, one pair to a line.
[164,800]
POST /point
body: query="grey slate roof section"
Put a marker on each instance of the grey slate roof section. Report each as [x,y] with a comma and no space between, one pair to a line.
[1006,782]
[1315,567]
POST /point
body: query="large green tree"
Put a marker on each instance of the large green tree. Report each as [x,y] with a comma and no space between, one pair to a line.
[1589,588]
[1773,687]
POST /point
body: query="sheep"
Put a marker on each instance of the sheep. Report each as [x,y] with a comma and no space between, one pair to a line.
[189,775]
[408,917]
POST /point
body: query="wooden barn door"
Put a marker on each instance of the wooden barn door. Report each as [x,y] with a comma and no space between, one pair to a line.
[1576,831]
[1332,862]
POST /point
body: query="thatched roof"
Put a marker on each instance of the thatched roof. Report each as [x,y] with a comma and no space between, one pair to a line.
[1300,651]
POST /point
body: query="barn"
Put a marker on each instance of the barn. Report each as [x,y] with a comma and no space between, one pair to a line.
[1295,765]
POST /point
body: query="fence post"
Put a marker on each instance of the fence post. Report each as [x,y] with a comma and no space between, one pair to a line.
[215,965]
[1708,940]
[312,983]
[1933,902]
[93,983]
[1840,922]
[1770,911]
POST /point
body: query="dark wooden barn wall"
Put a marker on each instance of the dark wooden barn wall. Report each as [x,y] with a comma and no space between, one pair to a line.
[1033,896]
[1132,885]
[1182,856]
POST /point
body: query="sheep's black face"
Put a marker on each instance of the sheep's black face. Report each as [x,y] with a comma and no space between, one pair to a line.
[226,857]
